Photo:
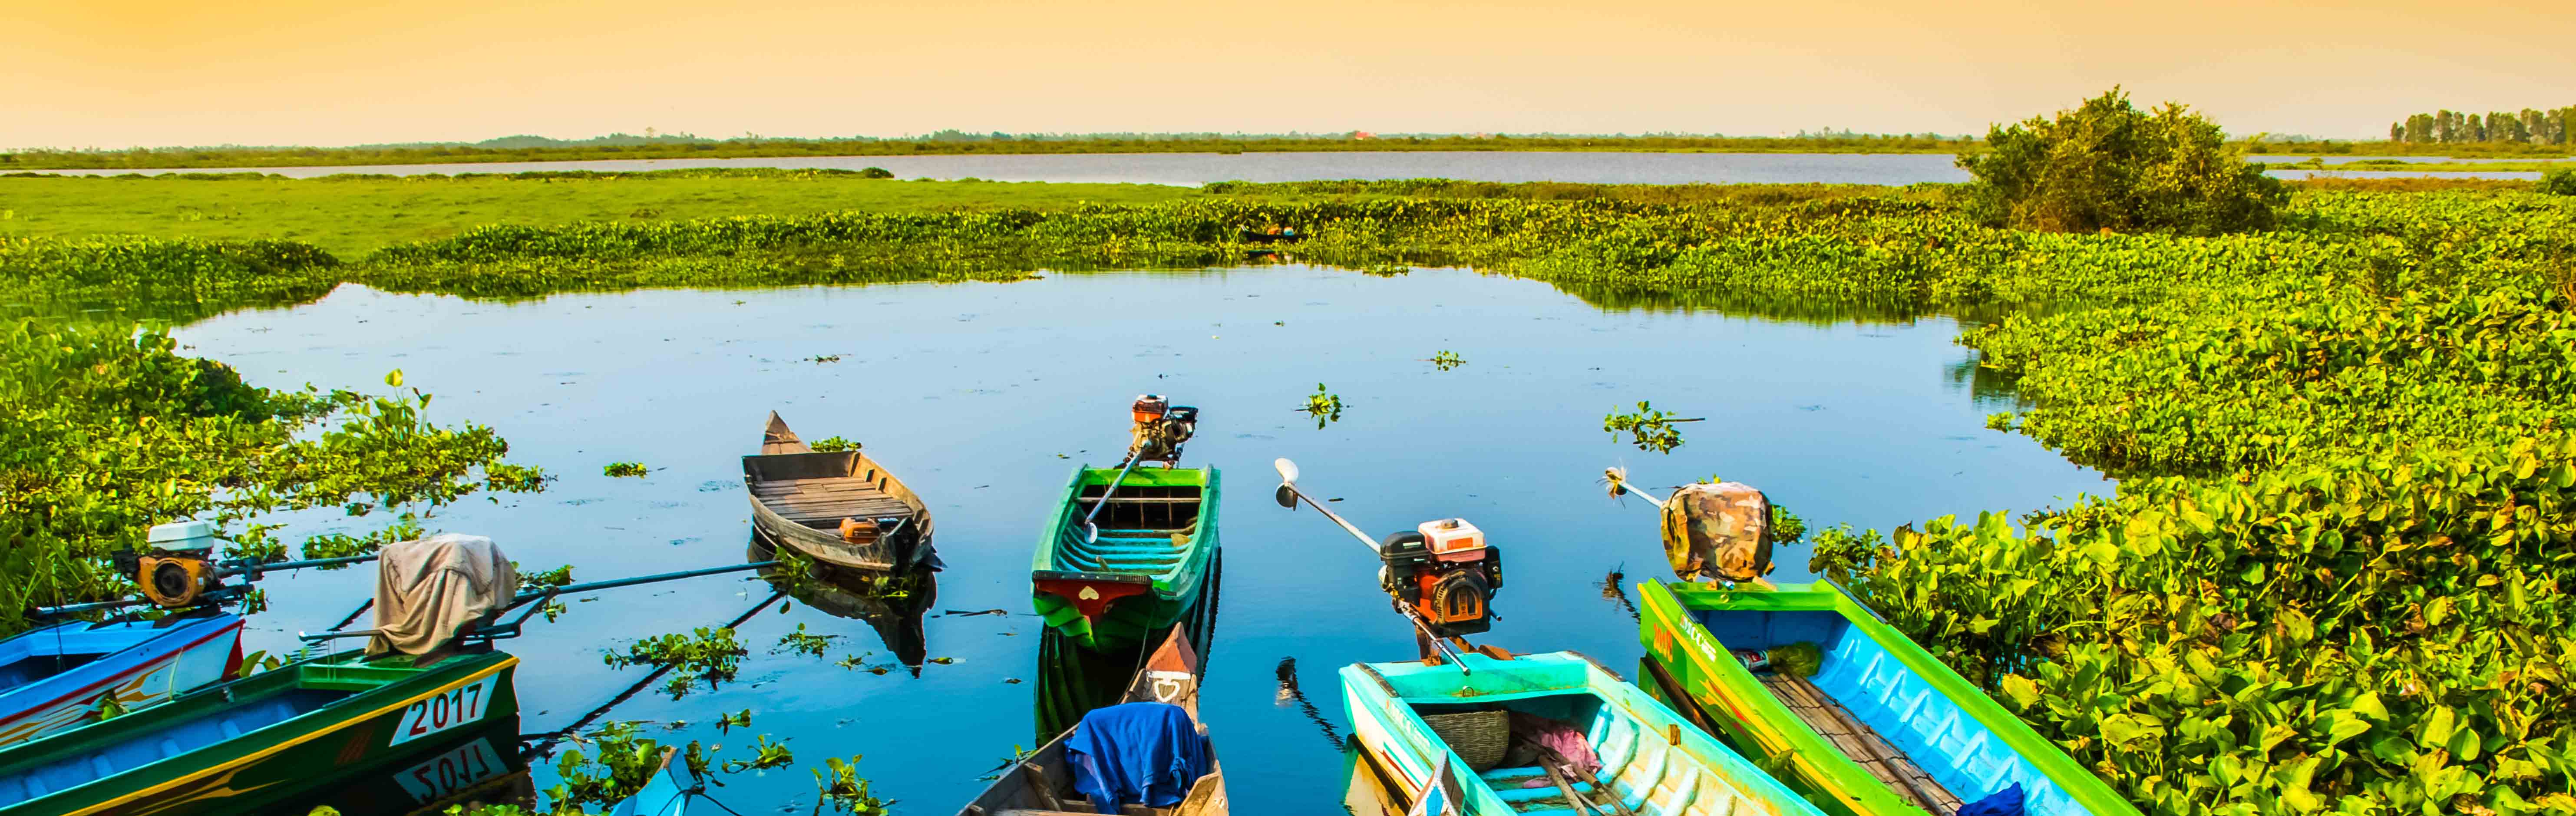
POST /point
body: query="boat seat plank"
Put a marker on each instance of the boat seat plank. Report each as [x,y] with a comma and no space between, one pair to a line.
[1861,743]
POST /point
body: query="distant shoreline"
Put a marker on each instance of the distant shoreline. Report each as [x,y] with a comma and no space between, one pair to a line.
[213,158]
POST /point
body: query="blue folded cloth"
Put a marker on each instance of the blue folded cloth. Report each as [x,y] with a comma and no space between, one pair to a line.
[1136,753]
[2006,802]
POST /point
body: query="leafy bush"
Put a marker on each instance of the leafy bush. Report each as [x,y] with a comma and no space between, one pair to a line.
[876,173]
[2109,166]
[2561,181]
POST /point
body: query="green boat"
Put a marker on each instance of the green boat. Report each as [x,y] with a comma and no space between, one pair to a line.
[1419,723]
[246,745]
[1153,565]
[1880,728]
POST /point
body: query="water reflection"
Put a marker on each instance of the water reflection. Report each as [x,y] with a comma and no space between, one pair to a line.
[1290,692]
[1366,789]
[892,605]
[485,767]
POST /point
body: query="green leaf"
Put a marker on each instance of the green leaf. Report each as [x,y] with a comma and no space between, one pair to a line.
[2437,727]
[2020,691]
[2103,553]
[2464,744]
[2119,729]
[394,378]
[2394,751]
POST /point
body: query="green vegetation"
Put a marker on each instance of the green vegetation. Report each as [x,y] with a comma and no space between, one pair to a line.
[106,430]
[1324,406]
[2402,165]
[2561,181]
[623,469]
[2109,166]
[2335,576]
[348,216]
[2535,128]
[1649,428]
[713,655]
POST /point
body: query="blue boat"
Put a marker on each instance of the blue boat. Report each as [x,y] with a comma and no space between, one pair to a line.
[664,795]
[1651,760]
[55,678]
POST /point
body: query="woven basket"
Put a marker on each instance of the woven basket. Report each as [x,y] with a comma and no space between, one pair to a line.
[1479,737]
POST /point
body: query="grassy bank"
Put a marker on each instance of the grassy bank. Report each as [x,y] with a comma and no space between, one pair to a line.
[2401,165]
[2336,574]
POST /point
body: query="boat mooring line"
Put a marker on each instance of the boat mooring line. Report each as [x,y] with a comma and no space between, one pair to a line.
[546,739]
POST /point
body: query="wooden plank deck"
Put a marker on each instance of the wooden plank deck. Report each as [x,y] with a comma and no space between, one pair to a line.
[807,501]
[1858,741]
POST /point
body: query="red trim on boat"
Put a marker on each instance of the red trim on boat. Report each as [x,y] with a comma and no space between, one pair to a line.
[235,628]
[1101,593]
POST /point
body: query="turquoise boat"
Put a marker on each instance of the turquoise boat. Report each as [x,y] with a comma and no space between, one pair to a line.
[1154,564]
[56,678]
[247,745]
[1881,729]
[1652,761]
[664,795]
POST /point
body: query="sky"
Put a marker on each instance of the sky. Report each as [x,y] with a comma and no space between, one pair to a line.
[123,73]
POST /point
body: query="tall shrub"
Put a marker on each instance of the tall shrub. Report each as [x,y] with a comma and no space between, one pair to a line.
[2109,165]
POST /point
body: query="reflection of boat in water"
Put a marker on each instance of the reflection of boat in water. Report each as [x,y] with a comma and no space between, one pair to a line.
[840,508]
[1367,791]
[1043,782]
[891,604]
[484,767]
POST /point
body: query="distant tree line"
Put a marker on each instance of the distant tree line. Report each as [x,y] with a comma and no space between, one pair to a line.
[2540,127]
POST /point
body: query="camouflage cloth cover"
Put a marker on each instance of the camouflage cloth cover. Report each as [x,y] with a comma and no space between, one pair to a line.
[1718,531]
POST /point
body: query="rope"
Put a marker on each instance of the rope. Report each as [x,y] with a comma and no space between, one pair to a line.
[547,739]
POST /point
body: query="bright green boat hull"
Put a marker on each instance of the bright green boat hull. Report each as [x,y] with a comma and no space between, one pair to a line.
[250,744]
[1118,593]
[1716,689]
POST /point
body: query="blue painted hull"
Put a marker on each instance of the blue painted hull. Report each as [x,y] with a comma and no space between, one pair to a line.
[52,679]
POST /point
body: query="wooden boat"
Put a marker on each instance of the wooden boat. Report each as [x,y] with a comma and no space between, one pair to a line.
[244,745]
[476,767]
[801,498]
[893,604]
[1652,760]
[54,678]
[1153,566]
[1260,237]
[1881,729]
[1040,784]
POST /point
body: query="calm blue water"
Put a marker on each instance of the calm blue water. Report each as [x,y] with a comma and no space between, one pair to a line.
[1201,168]
[984,396]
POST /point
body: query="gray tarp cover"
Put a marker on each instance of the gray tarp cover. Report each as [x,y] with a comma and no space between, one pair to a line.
[428,589]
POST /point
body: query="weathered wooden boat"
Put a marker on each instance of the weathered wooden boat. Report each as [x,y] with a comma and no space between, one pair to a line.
[1041,783]
[1154,564]
[1880,729]
[244,745]
[840,508]
[56,677]
[1651,759]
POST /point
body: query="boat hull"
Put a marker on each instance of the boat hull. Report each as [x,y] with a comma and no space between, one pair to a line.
[142,665]
[379,718]
[1082,599]
[1649,757]
[1699,675]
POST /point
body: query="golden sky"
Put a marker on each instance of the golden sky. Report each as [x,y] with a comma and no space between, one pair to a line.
[118,73]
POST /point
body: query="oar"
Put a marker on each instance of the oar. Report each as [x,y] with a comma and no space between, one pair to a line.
[1090,531]
[1287,497]
[522,599]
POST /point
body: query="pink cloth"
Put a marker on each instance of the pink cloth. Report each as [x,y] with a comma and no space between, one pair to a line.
[1555,736]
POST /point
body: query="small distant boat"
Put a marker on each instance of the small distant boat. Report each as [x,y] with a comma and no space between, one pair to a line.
[840,508]
[1263,237]
[1042,784]
[1880,729]
[1153,565]
[56,677]
[243,745]
[664,795]
[1651,760]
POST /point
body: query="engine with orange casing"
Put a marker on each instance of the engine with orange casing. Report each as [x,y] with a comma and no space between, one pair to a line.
[1160,429]
[1445,573]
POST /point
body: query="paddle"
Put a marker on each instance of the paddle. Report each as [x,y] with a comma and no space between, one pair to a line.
[1617,479]
[1090,531]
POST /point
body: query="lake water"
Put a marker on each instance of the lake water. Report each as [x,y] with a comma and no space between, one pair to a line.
[984,396]
[1192,169]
